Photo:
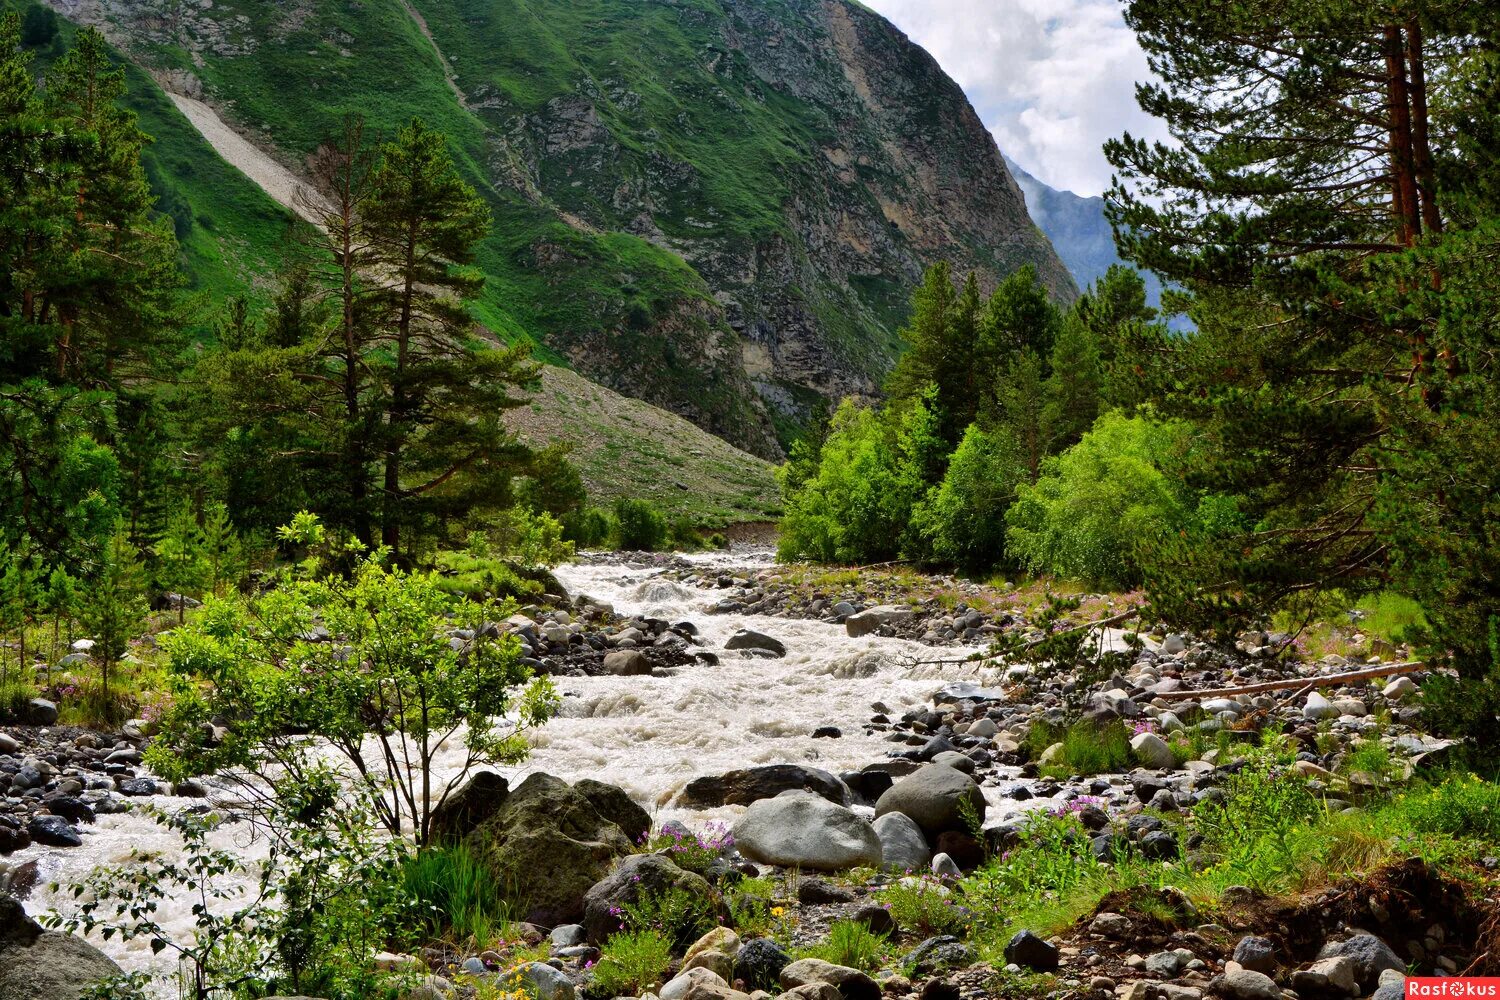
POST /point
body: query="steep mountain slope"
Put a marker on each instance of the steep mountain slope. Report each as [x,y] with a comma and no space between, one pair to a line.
[1078,230]
[718,206]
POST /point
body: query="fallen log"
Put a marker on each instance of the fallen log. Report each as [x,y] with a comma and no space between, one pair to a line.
[1384,670]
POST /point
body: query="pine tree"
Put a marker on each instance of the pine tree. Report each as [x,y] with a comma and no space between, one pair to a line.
[115,606]
[444,449]
[182,564]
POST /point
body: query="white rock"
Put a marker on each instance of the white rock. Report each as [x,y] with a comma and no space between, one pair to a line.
[1401,687]
[1318,707]
[1153,751]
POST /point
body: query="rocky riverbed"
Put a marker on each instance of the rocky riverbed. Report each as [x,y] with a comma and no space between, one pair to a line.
[830,731]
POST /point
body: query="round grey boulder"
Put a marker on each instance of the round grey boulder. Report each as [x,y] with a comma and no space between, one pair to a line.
[903,847]
[803,830]
[936,797]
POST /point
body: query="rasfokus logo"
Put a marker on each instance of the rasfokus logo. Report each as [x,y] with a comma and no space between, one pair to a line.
[1454,988]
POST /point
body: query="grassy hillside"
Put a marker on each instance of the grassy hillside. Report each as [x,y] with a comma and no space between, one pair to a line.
[625,448]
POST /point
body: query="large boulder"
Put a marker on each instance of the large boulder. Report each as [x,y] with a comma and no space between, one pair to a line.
[548,844]
[637,876]
[37,964]
[627,663]
[756,642]
[801,830]
[615,805]
[471,805]
[740,788]
[851,983]
[934,796]
[1371,957]
[759,963]
[903,848]
[866,622]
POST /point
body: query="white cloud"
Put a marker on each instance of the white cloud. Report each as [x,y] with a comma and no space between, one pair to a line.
[1052,78]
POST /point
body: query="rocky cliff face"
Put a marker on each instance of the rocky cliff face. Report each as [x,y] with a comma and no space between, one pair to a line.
[719,206]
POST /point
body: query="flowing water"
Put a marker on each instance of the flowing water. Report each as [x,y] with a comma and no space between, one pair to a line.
[649,735]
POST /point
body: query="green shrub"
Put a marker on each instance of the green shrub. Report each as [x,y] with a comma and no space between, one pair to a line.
[750,905]
[527,537]
[1255,830]
[15,700]
[852,944]
[1097,501]
[588,528]
[854,504]
[963,520]
[923,905]
[639,526]
[1053,857]
[631,963]
[478,577]
[1465,806]
[455,895]
[679,916]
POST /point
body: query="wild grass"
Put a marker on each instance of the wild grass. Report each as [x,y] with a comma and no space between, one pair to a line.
[923,905]
[852,944]
[631,963]
[1087,748]
[456,896]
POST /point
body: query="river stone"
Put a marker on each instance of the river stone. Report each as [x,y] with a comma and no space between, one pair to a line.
[548,844]
[636,876]
[8,743]
[53,831]
[851,983]
[1152,751]
[759,963]
[1258,954]
[1245,984]
[801,830]
[615,805]
[1031,952]
[750,639]
[937,953]
[866,622]
[678,988]
[903,848]
[471,805]
[41,712]
[932,797]
[1371,956]
[1318,707]
[720,939]
[627,663]
[45,965]
[543,982]
[740,788]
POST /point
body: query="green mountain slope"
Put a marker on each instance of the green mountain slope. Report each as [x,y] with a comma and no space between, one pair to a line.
[717,206]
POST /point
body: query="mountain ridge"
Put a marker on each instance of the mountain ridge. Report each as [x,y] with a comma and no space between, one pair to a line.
[724,217]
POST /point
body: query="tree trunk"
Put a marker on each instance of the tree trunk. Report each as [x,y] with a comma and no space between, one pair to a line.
[1404,200]
[1426,180]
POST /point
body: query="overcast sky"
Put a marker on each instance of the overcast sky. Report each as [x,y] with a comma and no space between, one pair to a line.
[1052,78]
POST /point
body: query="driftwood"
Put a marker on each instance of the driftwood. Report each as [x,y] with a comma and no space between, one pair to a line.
[1307,684]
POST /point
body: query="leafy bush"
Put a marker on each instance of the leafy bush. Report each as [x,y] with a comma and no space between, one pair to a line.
[1053,856]
[855,503]
[1097,501]
[751,903]
[528,537]
[15,700]
[631,963]
[588,528]
[852,944]
[962,521]
[1255,830]
[390,687]
[639,526]
[680,916]
[1464,805]
[481,577]
[922,904]
[455,895]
